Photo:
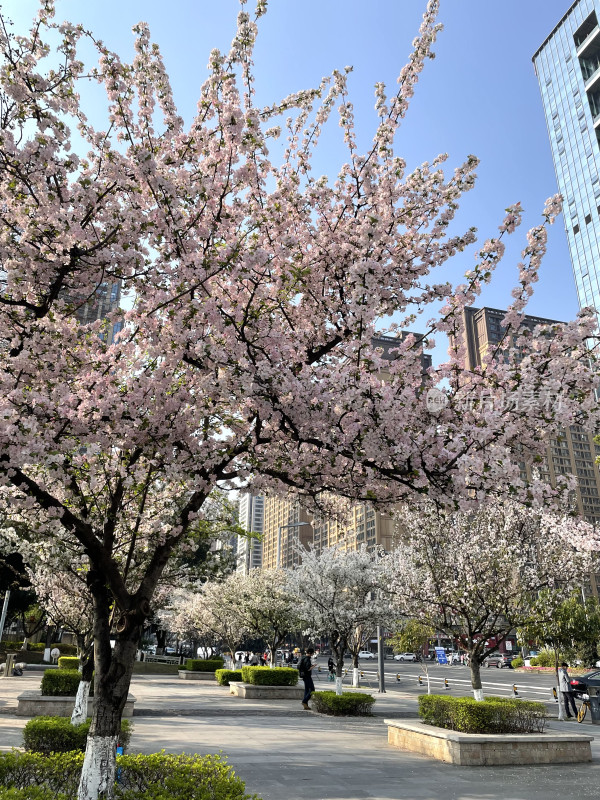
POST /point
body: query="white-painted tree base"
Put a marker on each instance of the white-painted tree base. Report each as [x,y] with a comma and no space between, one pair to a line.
[47,657]
[478,694]
[355,681]
[98,772]
[338,685]
[561,710]
[80,710]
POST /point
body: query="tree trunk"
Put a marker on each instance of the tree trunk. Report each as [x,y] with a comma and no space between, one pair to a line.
[355,675]
[86,659]
[114,668]
[161,640]
[25,645]
[338,649]
[475,668]
[49,636]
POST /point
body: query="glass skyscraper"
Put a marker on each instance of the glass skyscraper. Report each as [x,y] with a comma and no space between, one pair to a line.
[568,69]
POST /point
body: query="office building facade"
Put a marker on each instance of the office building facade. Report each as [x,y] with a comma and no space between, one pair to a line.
[567,65]
[251,518]
[283,536]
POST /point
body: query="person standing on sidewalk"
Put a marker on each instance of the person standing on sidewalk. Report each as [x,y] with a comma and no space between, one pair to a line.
[564,684]
[305,668]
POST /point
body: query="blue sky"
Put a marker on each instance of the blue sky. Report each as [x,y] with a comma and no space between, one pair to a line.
[480,95]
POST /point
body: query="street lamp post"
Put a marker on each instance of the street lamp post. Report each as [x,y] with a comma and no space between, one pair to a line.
[280,528]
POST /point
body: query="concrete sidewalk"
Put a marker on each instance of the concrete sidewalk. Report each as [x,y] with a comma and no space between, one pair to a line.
[285,753]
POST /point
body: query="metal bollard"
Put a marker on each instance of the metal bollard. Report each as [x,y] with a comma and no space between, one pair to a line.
[555,694]
[398,677]
[446,684]
[515,693]
[420,681]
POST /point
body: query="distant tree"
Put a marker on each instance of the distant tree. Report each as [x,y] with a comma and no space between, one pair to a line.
[66,599]
[564,629]
[413,636]
[337,592]
[214,611]
[478,575]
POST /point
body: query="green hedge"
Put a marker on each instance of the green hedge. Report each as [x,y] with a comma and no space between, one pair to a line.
[356,704]
[223,676]
[68,662]
[544,659]
[62,683]
[204,664]
[56,735]
[493,715]
[265,676]
[141,777]
[517,662]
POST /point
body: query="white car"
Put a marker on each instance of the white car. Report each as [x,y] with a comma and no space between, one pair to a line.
[366,654]
[405,657]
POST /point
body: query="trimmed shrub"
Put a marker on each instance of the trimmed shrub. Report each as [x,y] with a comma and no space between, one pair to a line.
[544,659]
[265,676]
[68,662]
[223,676]
[493,715]
[31,776]
[204,664]
[355,704]
[56,735]
[60,682]
[31,793]
[517,662]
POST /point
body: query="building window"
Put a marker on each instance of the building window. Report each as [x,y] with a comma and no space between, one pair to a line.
[575,228]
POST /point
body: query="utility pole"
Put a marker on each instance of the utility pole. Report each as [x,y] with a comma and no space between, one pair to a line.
[380,660]
[4,612]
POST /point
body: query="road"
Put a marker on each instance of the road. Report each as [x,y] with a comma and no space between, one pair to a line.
[404,677]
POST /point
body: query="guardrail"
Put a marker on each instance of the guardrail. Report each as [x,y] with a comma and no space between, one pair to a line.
[162,659]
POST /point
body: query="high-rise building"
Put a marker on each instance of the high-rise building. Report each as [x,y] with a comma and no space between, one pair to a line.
[282,535]
[567,65]
[362,525]
[574,451]
[251,518]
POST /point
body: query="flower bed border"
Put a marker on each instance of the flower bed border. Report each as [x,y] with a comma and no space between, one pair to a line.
[479,749]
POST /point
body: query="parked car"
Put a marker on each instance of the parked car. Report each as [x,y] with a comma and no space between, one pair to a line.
[453,658]
[579,684]
[366,654]
[499,660]
[405,657]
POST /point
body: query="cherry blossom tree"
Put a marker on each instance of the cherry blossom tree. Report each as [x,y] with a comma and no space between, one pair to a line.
[215,610]
[247,355]
[67,601]
[267,608]
[478,575]
[338,592]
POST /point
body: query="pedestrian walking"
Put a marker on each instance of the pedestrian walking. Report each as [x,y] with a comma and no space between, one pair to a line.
[305,668]
[564,684]
[331,668]
[253,660]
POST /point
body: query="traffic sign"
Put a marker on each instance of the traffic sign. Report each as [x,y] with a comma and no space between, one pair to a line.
[441,656]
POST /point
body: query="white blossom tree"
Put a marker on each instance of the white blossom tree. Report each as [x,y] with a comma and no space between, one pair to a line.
[266,607]
[478,575]
[215,610]
[339,591]
[67,601]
